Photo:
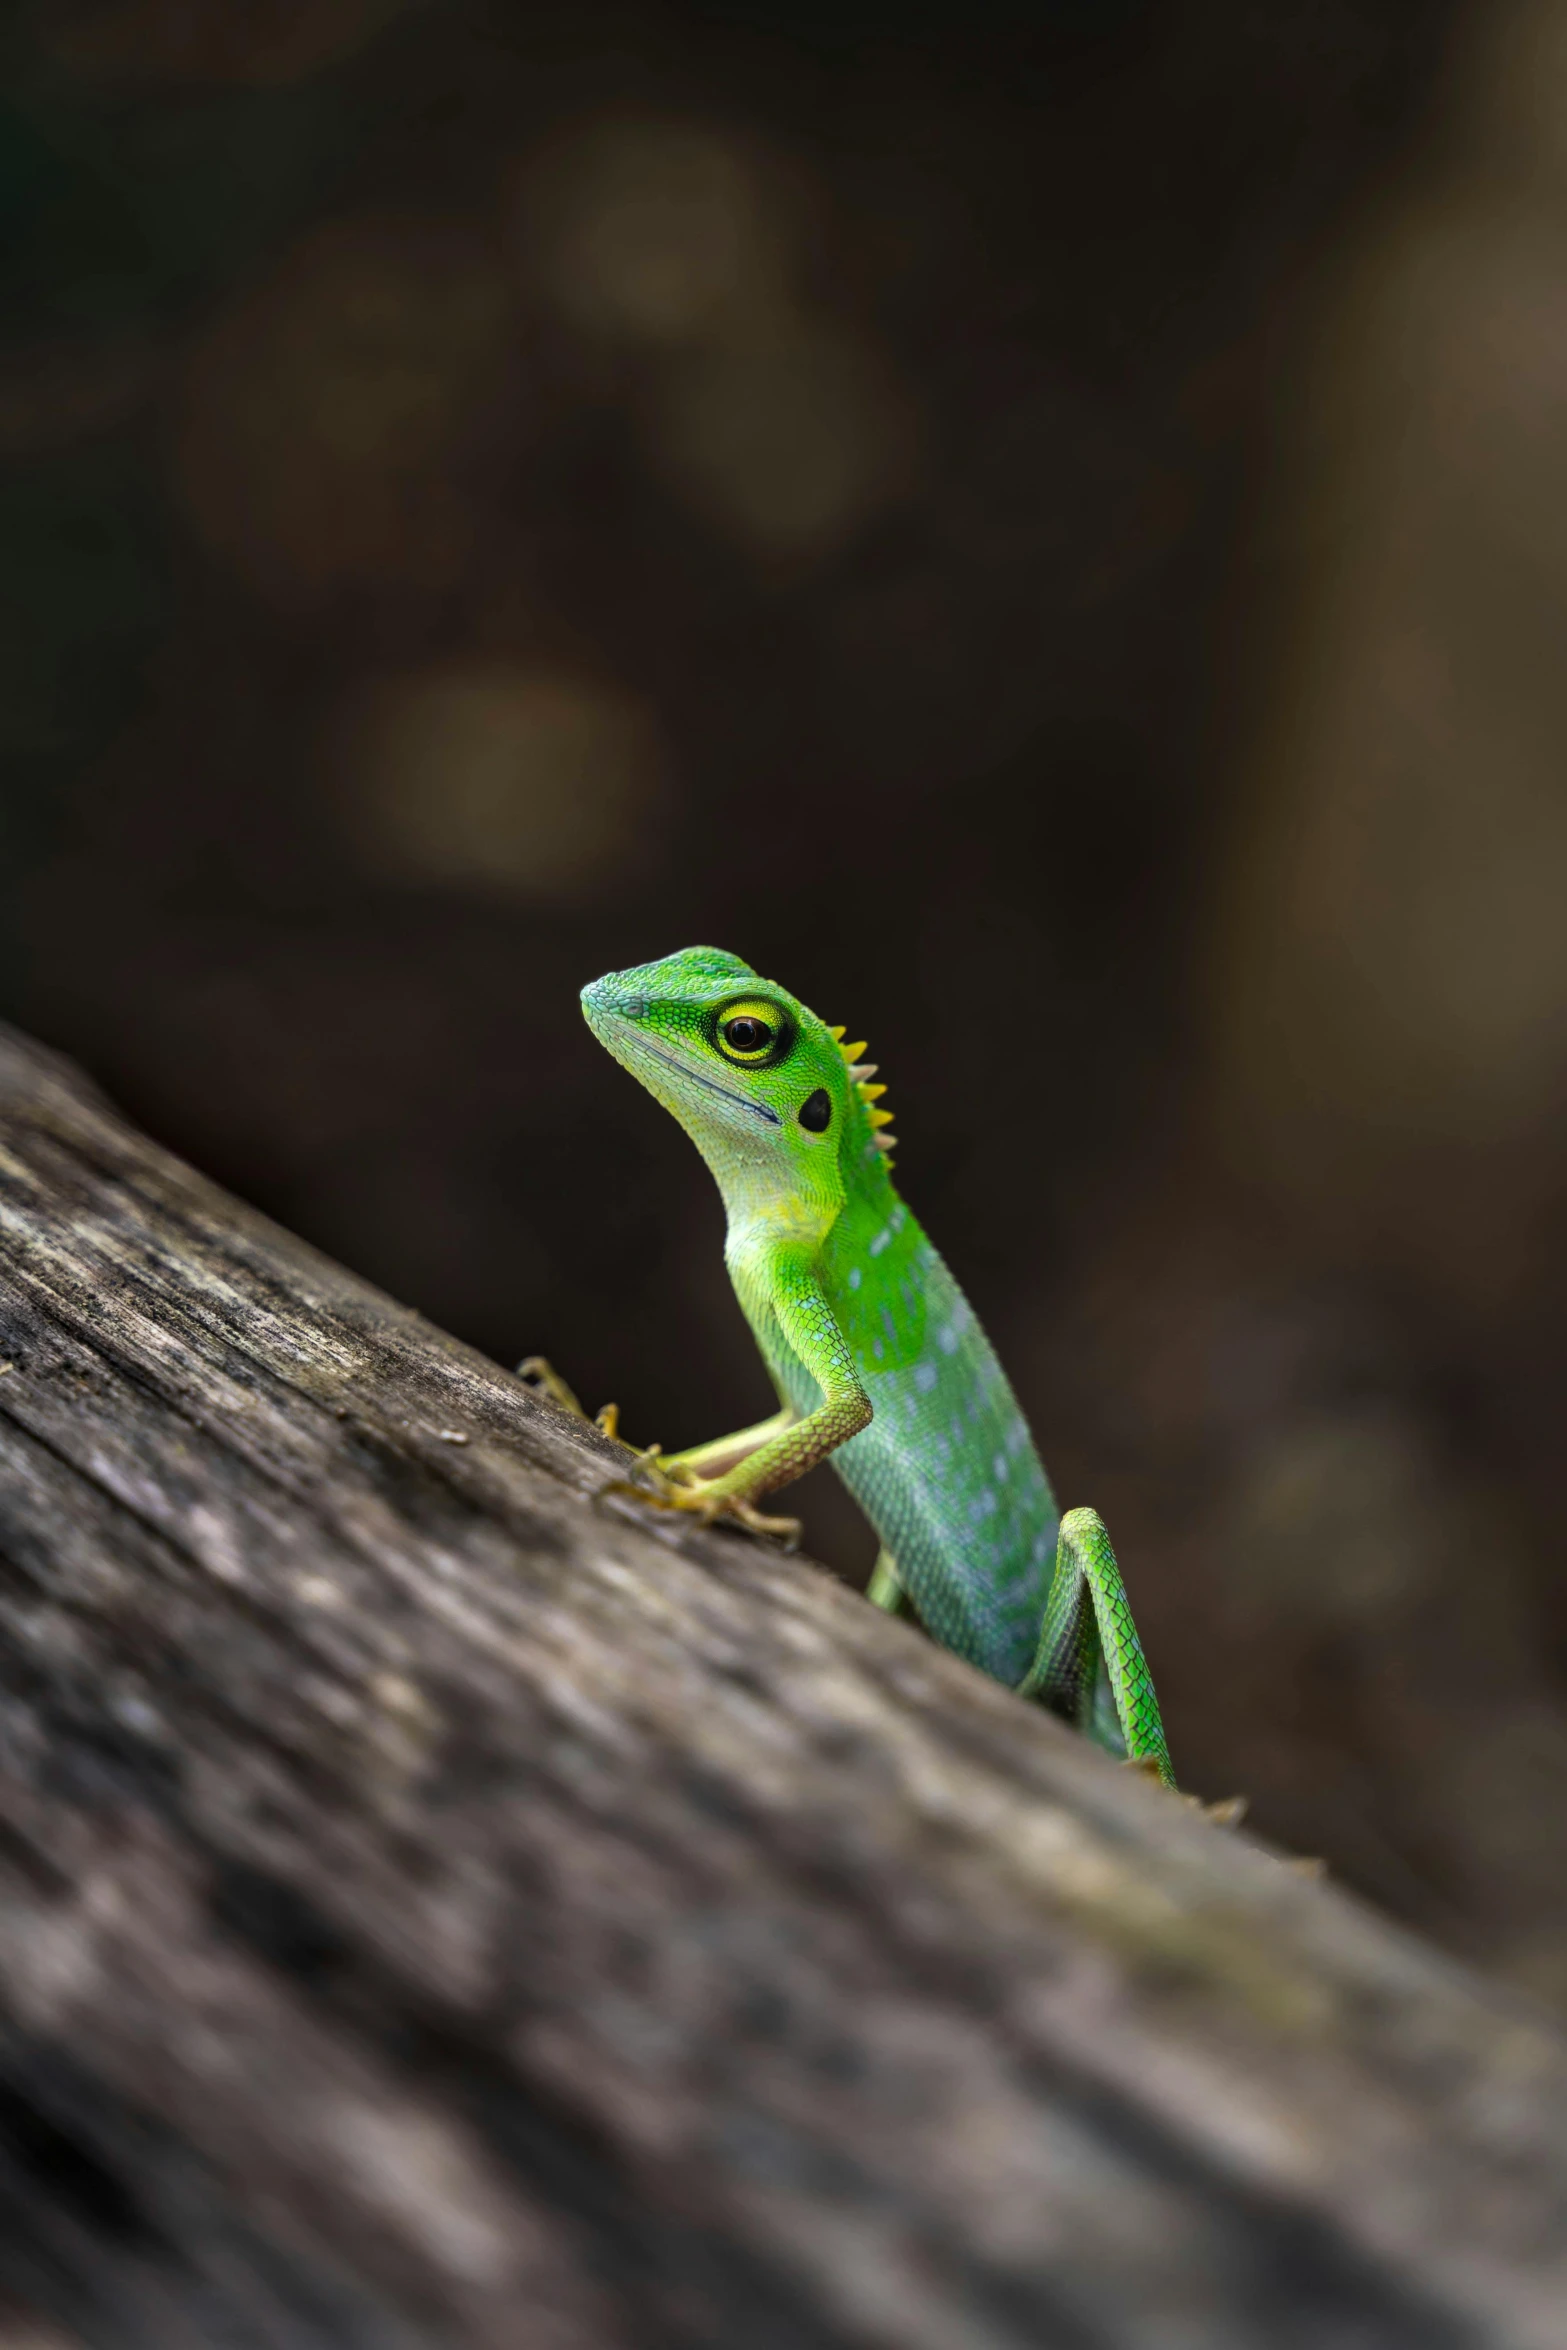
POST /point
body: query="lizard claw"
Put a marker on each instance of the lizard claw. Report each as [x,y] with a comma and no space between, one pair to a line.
[679,1490]
[755,1521]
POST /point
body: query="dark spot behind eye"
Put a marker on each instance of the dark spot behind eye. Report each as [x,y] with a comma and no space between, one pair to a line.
[816,1111]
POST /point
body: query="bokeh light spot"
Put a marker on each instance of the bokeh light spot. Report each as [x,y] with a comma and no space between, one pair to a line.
[649,230]
[522,783]
[790,443]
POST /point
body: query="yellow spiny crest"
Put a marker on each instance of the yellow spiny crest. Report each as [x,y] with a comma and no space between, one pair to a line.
[861,1073]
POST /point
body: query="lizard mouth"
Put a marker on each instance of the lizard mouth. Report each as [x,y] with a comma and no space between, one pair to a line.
[683,1068]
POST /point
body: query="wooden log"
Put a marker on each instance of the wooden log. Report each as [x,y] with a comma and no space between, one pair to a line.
[442,1907]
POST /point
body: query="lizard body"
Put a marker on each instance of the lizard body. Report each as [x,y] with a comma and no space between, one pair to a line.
[879,1360]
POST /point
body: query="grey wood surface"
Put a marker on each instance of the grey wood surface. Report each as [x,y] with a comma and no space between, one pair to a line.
[440,1907]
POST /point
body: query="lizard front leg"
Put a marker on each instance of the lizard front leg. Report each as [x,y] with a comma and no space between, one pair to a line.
[696,1469]
[726,1452]
[1089,1665]
[698,1462]
[699,1467]
[789,1445]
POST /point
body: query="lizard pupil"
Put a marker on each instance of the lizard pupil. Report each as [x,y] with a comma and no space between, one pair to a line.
[816,1111]
[747,1036]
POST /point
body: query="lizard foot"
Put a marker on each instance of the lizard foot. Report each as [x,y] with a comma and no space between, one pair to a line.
[1227,1813]
[655,1484]
[540,1373]
[695,1495]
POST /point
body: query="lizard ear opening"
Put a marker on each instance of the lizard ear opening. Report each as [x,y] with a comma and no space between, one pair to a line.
[816,1111]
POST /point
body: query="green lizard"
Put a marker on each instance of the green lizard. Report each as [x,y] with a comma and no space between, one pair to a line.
[874,1350]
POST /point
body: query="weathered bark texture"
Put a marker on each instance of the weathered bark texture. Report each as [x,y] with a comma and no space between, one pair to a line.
[441,1909]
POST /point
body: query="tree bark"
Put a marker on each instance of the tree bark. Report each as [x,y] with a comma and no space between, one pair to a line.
[440,1905]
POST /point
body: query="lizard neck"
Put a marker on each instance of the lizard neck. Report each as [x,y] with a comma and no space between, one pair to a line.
[764,1205]
[767,1212]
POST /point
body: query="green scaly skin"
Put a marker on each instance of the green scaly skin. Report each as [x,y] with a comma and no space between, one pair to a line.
[874,1350]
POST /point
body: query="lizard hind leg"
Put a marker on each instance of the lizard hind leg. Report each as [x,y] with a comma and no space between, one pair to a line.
[1089,1664]
[884,1590]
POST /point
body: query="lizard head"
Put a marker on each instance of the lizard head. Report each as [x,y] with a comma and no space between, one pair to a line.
[769,1093]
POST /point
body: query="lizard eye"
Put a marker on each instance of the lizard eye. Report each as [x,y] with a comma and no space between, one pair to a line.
[753,1034]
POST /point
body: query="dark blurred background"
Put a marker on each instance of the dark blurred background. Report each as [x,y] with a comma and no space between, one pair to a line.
[1043,528]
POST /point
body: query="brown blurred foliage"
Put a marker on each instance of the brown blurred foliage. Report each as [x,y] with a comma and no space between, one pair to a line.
[1040,529]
